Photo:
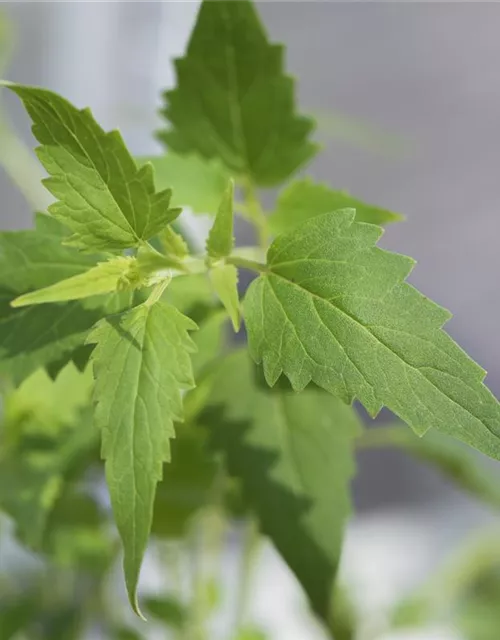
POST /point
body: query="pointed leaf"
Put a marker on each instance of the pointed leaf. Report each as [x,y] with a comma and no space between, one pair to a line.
[118,273]
[304,199]
[101,194]
[335,309]
[220,240]
[233,101]
[173,243]
[224,280]
[293,454]
[196,182]
[141,363]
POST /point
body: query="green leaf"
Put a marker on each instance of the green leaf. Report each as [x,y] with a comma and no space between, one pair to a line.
[224,280]
[186,486]
[173,243]
[196,182]
[233,101]
[33,474]
[334,309]
[452,459]
[17,613]
[45,405]
[293,454]
[141,363]
[220,241]
[304,199]
[35,259]
[168,610]
[101,195]
[120,272]
[42,336]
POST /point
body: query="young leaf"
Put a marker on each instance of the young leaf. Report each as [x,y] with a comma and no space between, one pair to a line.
[293,454]
[141,362]
[450,458]
[196,182]
[173,243]
[304,199]
[108,202]
[224,280]
[335,309]
[118,273]
[233,101]
[220,240]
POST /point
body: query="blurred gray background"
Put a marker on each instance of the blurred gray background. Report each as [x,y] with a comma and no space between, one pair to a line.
[422,80]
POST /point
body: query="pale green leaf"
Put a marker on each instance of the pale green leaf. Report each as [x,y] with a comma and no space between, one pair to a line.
[45,405]
[120,272]
[196,182]
[141,363]
[452,459]
[100,193]
[334,309]
[224,280]
[233,101]
[303,199]
[294,456]
[173,243]
[220,241]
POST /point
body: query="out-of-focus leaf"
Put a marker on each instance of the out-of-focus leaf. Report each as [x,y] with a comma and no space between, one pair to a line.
[293,455]
[16,614]
[167,609]
[44,405]
[185,488]
[196,183]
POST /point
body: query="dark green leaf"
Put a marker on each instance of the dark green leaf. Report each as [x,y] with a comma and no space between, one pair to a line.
[293,454]
[233,101]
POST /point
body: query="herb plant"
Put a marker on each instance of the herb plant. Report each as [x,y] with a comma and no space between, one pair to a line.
[107,297]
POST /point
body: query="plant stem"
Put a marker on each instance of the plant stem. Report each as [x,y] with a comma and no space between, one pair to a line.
[379,437]
[157,292]
[255,214]
[243,263]
[251,541]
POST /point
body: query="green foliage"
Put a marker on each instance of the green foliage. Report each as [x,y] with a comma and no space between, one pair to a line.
[196,182]
[122,287]
[334,309]
[220,241]
[233,101]
[293,454]
[304,199]
[141,362]
[102,196]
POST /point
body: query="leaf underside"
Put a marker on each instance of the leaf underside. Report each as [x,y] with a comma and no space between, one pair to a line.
[335,309]
[141,363]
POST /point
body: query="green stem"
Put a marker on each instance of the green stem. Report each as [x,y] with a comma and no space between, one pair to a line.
[380,437]
[157,292]
[255,214]
[250,548]
[243,263]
